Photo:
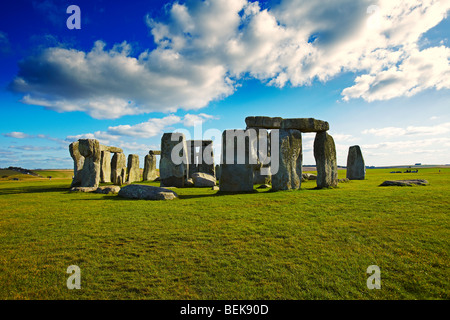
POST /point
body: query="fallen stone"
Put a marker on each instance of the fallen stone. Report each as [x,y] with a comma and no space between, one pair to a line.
[403,183]
[202,179]
[215,188]
[264,186]
[144,192]
[305,124]
[308,176]
[343,180]
[83,189]
[108,189]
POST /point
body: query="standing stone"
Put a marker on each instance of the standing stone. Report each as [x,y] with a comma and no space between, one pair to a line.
[356,169]
[90,150]
[78,162]
[173,172]
[237,171]
[263,156]
[326,163]
[200,157]
[105,169]
[133,171]
[118,168]
[149,168]
[289,175]
[218,171]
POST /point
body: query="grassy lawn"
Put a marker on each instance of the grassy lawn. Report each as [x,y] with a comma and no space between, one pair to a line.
[305,244]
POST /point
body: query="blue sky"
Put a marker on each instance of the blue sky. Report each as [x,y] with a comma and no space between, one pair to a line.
[377,71]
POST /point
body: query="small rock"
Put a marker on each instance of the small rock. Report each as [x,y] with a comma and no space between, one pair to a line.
[343,180]
[215,188]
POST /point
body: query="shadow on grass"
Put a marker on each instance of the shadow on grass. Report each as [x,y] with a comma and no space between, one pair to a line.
[34,189]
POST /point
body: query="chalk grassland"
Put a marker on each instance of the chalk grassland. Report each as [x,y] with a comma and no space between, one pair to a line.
[306,244]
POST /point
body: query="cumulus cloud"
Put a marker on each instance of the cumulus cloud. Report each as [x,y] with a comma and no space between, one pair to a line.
[204,48]
[22,135]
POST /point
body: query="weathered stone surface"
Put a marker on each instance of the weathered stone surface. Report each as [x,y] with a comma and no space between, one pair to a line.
[118,169]
[203,180]
[173,174]
[78,162]
[107,189]
[262,172]
[218,171]
[326,163]
[144,192]
[215,188]
[154,152]
[403,183]
[237,166]
[290,161]
[309,176]
[90,150]
[305,124]
[200,156]
[356,169]
[345,180]
[133,171]
[105,168]
[263,122]
[149,168]
[110,149]
[83,189]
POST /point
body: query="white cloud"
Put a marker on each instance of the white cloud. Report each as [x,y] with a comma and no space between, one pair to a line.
[410,130]
[16,135]
[205,47]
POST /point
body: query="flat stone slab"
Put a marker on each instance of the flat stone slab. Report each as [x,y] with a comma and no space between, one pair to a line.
[305,124]
[403,183]
[108,189]
[111,149]
[263,122]
[144,192]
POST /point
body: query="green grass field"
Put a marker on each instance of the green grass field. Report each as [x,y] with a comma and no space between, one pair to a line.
[304,244]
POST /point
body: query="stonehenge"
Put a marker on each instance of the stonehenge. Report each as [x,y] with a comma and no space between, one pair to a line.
[356,169]
[268,151]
